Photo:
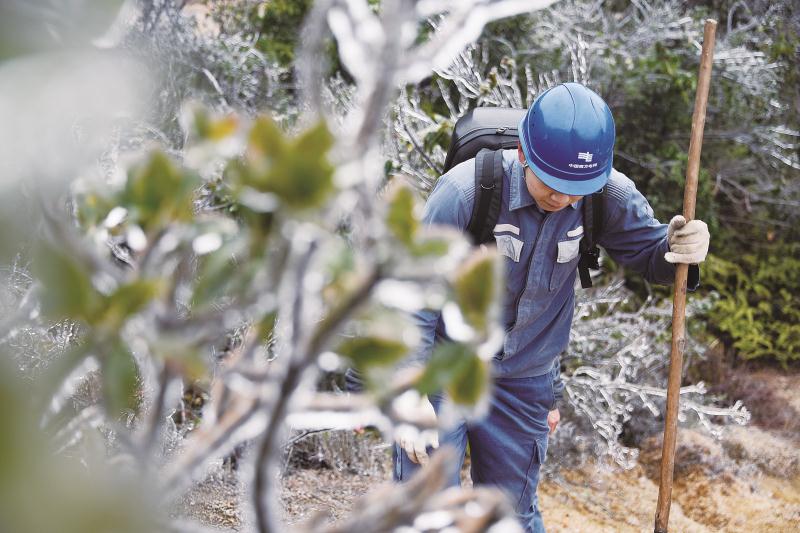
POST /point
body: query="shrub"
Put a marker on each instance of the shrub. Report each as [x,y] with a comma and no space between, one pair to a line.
[757,310]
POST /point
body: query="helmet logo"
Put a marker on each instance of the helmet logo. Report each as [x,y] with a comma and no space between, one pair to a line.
[586,156]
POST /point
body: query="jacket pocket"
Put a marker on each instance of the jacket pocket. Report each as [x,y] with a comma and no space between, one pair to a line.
[566,263]
[568,250]
[509,246]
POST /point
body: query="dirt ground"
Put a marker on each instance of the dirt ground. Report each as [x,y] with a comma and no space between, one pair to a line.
[748,480]
[712,491]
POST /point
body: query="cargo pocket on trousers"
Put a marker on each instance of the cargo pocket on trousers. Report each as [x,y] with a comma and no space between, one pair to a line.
[526,499]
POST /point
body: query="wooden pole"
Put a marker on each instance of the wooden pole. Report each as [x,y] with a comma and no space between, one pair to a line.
[681,273]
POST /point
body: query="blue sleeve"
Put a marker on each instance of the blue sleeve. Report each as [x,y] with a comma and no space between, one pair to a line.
[447,205]
[631,234]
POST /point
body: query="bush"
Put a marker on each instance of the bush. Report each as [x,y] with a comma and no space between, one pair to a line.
[756,310]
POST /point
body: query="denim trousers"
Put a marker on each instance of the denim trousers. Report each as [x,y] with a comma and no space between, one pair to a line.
[507,446]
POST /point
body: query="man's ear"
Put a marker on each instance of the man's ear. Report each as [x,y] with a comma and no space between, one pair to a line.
[520,153]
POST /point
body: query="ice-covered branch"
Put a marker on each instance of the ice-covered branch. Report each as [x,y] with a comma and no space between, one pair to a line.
[617,360]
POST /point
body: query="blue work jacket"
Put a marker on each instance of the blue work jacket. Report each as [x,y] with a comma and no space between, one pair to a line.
[541,257]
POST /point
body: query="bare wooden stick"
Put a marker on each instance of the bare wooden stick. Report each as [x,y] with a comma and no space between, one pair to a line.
[681,274]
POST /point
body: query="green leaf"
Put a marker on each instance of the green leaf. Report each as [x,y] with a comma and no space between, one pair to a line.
[67,290]
[120,381]
[17,445]
[84,492]
[129,299]
[456,368]
[445,363]
[159,192]
[436,246]
[401,220]
[440,136]
[471,383]
[266,140]
[372,351]
[210,128]
[296,170]
[474,288]
[92,208]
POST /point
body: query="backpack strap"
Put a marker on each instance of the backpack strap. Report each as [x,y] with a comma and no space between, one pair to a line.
[593,207]
[488,195]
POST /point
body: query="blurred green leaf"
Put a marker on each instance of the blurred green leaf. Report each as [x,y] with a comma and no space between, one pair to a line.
[207,127]
[16,423]
[455,368]
[469,385]
[159,192]
[67,290]
[430,247]
[296,170]
[372,351]
[120,381]
[92,208]
[443,366]
[129,299]
[267,140]
[474,288]
[400,219]
[44,491]
[183,355]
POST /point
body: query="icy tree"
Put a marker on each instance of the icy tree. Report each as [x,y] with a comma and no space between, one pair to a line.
[618,354]
[249,263]
[194,58]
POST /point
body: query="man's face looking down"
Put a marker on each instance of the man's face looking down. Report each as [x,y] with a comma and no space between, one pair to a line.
[546,198]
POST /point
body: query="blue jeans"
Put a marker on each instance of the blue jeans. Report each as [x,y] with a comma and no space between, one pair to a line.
[507,447]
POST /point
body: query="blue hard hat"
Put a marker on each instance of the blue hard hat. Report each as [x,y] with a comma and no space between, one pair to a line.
[567,137]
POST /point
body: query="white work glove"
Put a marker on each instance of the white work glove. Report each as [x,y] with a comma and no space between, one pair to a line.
[412,407]
[688,242]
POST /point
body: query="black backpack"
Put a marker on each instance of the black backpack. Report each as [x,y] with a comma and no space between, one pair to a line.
[483,133]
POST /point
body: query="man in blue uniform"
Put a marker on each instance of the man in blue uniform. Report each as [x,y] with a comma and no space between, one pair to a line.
[565,152]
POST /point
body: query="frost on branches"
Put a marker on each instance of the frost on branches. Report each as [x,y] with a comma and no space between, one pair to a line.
[618,358]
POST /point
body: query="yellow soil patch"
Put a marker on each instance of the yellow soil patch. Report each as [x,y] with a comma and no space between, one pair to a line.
[710,492]
[599,499]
